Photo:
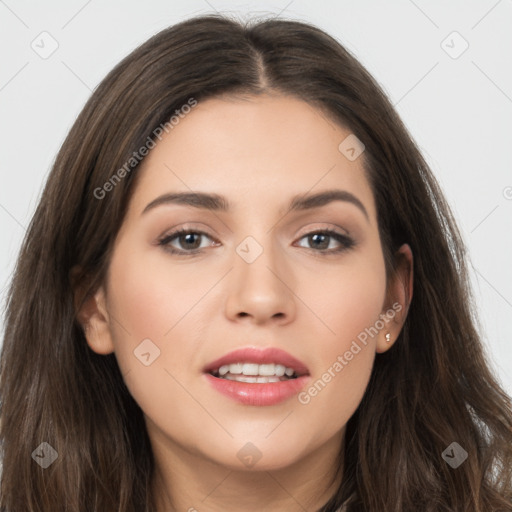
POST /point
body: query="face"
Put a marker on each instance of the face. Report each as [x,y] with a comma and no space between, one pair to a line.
[248,273]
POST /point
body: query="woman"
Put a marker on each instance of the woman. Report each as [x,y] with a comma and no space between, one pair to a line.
[316,350]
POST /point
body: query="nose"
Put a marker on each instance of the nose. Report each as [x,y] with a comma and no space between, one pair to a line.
[261,291]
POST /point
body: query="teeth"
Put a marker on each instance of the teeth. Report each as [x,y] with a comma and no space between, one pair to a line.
[224,369]
[280,369]
[267,369]
[235,368]
[229,371]
[250,369]
[253,380]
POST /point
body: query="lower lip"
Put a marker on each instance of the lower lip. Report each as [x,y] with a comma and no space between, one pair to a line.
[248,393]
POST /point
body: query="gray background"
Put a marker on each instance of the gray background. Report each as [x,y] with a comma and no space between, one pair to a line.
[456,102]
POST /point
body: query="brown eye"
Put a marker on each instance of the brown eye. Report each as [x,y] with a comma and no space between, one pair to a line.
[189,241]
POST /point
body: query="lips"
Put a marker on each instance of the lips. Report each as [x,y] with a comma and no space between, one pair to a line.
[244,376]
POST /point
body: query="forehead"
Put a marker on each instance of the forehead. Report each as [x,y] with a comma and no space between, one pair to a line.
[258,151]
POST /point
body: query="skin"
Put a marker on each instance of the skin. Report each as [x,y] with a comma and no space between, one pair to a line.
[258,152]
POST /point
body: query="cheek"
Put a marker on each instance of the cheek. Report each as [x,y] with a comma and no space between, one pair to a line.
[352,303]
[150,295]
[358,304]
[155,307]
[149,303]
[351,299]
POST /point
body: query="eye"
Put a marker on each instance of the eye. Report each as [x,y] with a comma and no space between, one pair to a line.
[188,239]
[320,241]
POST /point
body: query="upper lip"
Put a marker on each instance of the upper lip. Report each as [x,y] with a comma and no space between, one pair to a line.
[259,356]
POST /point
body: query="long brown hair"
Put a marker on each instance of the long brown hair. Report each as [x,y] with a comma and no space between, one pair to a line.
[432,388]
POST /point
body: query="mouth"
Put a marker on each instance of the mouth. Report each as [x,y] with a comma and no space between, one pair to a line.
[257,377]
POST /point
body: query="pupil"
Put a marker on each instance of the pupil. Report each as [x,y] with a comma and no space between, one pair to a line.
[315,237]
[187,240]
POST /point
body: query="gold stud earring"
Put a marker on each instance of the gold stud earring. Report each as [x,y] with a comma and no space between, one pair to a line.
[388,337]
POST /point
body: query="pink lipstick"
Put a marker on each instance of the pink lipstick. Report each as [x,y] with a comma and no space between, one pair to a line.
[254,376]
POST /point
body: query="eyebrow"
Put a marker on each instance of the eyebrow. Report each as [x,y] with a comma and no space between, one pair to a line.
[215,202]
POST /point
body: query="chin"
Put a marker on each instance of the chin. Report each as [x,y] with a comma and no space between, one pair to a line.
[258,454]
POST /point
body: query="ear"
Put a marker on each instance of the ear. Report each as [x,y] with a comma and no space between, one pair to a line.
[92,314]
[398,298]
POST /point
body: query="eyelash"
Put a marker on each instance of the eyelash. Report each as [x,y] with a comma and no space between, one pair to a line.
[346,242]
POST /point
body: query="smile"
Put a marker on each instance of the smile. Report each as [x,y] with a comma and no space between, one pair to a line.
[257,377]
